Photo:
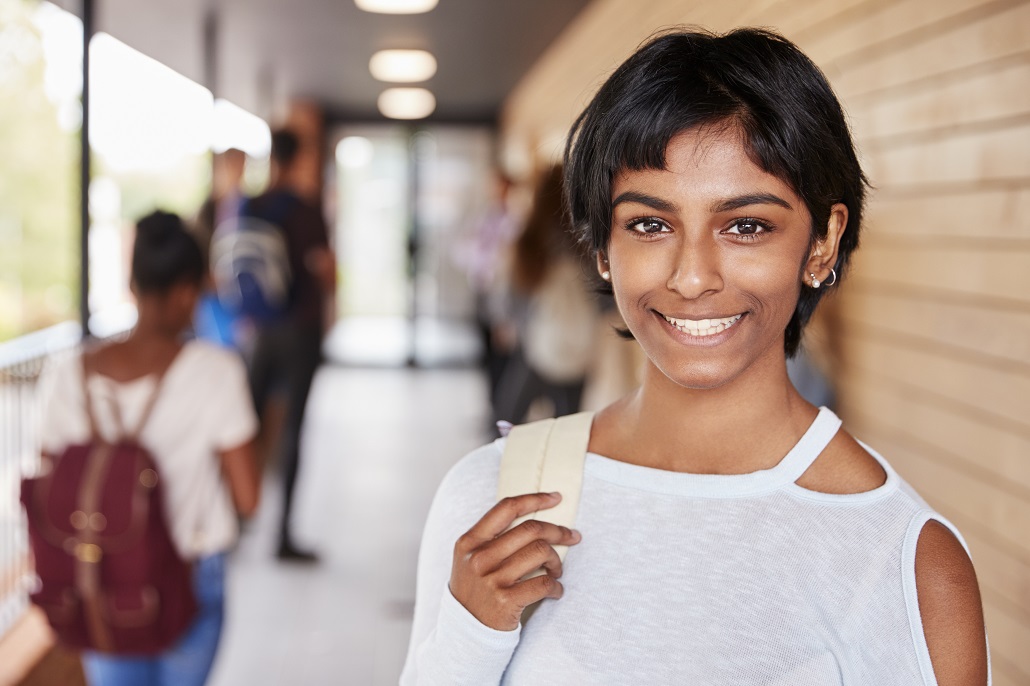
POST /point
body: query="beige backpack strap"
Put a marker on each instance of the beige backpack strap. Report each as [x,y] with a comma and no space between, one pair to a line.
[543,457]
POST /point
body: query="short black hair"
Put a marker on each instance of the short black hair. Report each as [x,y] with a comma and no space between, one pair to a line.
[792,125]
[285,146]
[165,254]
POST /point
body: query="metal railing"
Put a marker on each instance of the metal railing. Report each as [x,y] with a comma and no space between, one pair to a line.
[22,362]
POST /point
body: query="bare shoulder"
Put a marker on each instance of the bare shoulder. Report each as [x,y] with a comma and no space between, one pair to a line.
[844,467]
[950,607]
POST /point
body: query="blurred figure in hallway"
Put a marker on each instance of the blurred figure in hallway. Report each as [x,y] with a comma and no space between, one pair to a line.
[556,315]
[227,195]
[214,321]
[286,348]
[484,258]
[190,407]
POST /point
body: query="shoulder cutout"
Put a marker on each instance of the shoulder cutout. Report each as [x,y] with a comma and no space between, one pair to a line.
[843,468]
[950,608]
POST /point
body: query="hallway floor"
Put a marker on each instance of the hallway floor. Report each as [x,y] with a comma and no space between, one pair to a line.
[378,443]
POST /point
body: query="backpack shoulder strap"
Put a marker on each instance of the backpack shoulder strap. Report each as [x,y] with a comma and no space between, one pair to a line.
[87,400]
[152,400]
[543,457]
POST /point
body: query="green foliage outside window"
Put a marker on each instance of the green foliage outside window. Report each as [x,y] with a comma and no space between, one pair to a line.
[39,190]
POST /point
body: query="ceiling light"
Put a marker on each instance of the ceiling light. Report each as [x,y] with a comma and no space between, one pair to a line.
[396,6]
[354,152]
[402,66]
[406,103]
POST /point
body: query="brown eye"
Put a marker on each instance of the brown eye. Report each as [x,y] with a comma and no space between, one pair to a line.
[647,226]
[747,227]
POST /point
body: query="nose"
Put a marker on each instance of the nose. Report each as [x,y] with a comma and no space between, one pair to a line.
[697,270]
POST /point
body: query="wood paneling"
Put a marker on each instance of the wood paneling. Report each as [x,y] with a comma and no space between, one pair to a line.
[965,381]
[934,321]
[993,31]
[980,155]
[878,28]
[1008,643]
[994,338]
[947,428]
[976,214]
[995,271]
[966,99]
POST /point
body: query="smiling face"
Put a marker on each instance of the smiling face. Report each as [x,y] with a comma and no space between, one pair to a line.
[707,257]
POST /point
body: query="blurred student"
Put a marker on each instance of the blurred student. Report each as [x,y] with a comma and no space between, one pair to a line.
[485,261]
[227,195]
[214,321]
[287,345]
[556,315]
[199,432]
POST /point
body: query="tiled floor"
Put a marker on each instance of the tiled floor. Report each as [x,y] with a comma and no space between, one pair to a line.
[378,443]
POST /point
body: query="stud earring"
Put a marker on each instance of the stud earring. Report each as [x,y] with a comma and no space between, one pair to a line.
[815,282]
[607,276]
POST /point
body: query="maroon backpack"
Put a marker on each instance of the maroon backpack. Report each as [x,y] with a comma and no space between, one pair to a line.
[112,579]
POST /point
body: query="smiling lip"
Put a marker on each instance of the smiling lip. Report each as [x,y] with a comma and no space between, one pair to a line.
[702,328]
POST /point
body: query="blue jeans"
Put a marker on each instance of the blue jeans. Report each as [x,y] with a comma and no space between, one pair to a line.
[189,661]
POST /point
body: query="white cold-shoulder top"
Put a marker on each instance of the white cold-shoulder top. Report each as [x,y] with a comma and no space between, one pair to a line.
[692,579]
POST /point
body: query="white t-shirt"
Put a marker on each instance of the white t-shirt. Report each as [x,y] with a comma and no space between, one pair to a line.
[204,406]
[692,579]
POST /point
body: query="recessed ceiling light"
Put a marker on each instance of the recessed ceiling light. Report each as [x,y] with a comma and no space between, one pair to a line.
[406,103]
[396,6]
[402,66]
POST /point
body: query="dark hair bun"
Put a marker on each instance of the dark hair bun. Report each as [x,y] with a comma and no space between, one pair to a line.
[158,227]
[164,254]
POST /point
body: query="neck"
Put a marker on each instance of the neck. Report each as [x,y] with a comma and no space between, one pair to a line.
[152,329]
[746,425]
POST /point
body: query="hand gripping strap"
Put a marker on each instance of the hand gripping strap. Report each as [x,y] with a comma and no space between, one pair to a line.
[543,457]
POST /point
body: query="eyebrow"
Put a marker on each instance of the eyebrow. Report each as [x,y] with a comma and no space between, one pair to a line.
[734,203]
[751,199]
[645,199]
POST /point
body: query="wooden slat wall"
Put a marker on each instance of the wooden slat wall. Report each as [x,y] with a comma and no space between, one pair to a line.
[935,319]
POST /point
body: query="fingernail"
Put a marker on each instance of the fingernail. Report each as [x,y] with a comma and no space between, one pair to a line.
[554,494]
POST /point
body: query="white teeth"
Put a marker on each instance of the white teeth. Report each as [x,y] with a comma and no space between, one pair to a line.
[704,327]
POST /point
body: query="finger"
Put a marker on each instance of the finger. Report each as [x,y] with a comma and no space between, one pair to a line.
[538,554]
[527,592]
[491,555]
[501,515]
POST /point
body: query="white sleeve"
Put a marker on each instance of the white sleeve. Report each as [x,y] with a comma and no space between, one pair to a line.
[449,646]
[62,412]
[235,420]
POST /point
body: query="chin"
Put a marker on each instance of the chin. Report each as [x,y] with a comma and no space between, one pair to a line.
[698,376]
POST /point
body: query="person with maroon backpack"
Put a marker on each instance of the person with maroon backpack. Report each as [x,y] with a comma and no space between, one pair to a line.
[149,458]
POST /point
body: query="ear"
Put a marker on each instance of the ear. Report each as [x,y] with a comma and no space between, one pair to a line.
[823,256]
[602,263]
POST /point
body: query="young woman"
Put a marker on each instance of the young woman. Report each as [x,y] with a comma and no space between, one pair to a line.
[728,532]
[200,433]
